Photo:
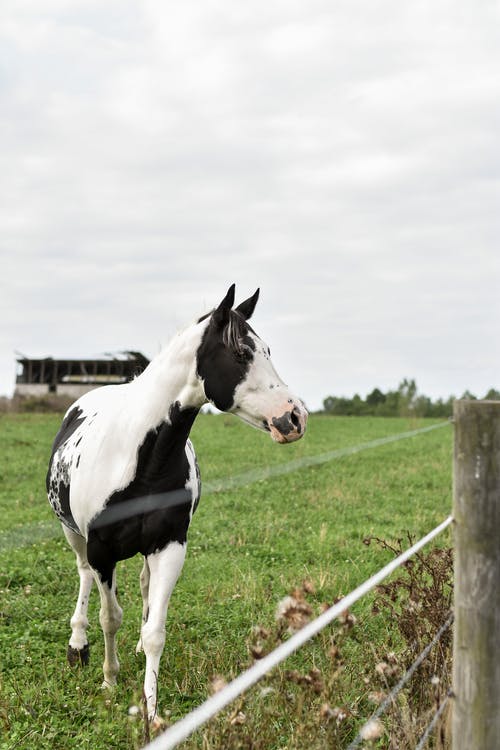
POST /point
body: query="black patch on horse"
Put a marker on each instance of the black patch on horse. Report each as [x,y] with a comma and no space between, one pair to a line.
[162,467]
[57,480]
[223,359]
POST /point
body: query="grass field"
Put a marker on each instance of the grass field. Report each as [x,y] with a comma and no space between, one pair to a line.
[249,547]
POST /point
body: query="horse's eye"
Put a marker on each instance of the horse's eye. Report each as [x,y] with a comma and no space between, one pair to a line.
[245,353]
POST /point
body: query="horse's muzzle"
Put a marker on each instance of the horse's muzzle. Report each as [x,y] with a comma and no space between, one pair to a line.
[290,426]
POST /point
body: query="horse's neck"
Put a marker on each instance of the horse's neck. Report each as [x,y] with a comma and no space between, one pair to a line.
[170,379]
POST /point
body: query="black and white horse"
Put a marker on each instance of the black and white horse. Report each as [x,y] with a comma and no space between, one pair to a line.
[123,476]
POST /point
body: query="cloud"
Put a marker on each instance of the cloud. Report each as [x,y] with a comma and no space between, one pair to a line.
[342,158]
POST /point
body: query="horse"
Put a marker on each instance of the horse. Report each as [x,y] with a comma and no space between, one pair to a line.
[123,477]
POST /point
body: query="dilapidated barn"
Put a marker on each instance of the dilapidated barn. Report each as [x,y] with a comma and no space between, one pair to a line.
[74,377]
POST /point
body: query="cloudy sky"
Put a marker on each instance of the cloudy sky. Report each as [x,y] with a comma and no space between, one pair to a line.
[343,155]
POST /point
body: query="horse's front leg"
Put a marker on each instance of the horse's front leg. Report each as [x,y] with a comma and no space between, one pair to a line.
[144,581]
[164,570]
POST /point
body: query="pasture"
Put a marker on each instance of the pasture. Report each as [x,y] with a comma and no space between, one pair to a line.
[248,547]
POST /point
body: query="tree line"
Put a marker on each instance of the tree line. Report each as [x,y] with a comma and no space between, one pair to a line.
[403,402]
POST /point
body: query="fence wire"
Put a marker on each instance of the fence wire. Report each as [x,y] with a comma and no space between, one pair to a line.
[402,682]
[31,533]
[200,715]
[423,740]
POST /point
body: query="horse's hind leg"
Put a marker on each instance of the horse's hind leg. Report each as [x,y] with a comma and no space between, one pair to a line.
[144,581]
[78,649]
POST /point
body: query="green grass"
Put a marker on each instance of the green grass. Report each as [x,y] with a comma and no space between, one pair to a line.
[248,548]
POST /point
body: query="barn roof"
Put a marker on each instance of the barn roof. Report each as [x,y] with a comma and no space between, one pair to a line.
[121,356]
[116,367]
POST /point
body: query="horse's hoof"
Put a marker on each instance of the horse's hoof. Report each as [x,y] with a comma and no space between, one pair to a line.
[78,656]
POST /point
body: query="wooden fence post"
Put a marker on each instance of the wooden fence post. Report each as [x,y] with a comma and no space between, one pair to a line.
[476,510]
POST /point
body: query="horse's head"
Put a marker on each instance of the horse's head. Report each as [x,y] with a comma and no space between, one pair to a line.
[238,376]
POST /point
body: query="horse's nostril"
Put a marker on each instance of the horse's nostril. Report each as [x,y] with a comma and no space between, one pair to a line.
[294,417]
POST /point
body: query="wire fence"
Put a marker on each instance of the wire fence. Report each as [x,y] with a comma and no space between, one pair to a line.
[30,533]
[432,724]
[41,531]
[200,715]
[400,685]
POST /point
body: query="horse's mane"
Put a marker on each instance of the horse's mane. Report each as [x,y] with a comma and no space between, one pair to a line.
[234,332]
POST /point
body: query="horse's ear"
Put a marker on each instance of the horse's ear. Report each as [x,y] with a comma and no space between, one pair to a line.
[248,306]
[221,315]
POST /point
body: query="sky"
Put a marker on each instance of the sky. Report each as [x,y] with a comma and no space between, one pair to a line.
[342,155]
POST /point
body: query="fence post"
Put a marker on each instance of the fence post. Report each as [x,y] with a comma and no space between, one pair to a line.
[476,510]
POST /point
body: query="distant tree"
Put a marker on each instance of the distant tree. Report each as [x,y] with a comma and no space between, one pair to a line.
[492,395]
[390,406]
[423,406]
[441,408]
[339,406]
[358,406]
[468,396]
[407,397]
[375,398]
[405,401]
[328,404]
[344,406]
